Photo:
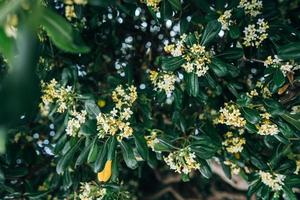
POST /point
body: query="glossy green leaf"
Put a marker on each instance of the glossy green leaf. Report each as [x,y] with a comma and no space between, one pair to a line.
[292,119]
[193,84]
[278,78]
[175,4]
[65,161]
[141,145]
[210,32]
[289,51]
[101,157]
[172,63]
[218,67]
[61,33]
[251,115]
[128,155]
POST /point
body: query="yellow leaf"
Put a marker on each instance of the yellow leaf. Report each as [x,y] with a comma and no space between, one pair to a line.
[105,174]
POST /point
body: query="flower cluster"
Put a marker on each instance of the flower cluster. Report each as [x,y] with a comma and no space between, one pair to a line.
[182,161]
[266,127]
[274,181]
[70,8]
[231,116]
[152,140]
[260,89]
[235,169]
[285,67]
[64,97]
[255,34]
[91,191]
[225,20]
[10,27]
[74,124]
[233,144]
[117,119]
[196,57]
[251,7]
[163,81]
[153,4]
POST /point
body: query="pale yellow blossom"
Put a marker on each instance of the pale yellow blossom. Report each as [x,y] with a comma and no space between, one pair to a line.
[273,180]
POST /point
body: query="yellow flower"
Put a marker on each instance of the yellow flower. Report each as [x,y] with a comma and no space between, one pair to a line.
[233,144]
[163,81]
[153,4]
[224,19]
[255,34]
[231,116]
[182,161]
[116,122]
[251,7]
[70,12]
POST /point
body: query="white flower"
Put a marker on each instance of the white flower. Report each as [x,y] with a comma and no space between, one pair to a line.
[182,161]
[74,124]
[255,34]
[274,181]
[225,20]
[251,7]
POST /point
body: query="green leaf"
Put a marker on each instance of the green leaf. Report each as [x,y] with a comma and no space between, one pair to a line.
[175,4]
[234,32]
[219,67]
[204,147]
[166,10]
[102,3]
[7,45]
[292,119]
[193,84]
[93,151]
[101,157]
[202,4]
[61,33]
[172,63]
[111,148]
[232,54]
[258,163]
[128,155]
[251,115]
[205,169]
[141,145]
[289,51]
[273,107]
[292,181]
[84,154]
[289,193]
[91,108]
[210,32]
[184,26]
[278,78]
[253,188]
[88,128]
[65,161]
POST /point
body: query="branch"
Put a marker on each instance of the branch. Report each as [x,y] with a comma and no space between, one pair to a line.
[236,181]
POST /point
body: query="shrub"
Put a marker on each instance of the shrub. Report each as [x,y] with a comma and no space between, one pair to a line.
[96,95]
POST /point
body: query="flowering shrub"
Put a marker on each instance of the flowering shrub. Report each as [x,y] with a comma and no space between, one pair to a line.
[97,97]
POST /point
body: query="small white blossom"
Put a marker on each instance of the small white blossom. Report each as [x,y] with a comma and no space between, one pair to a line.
[274,181]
